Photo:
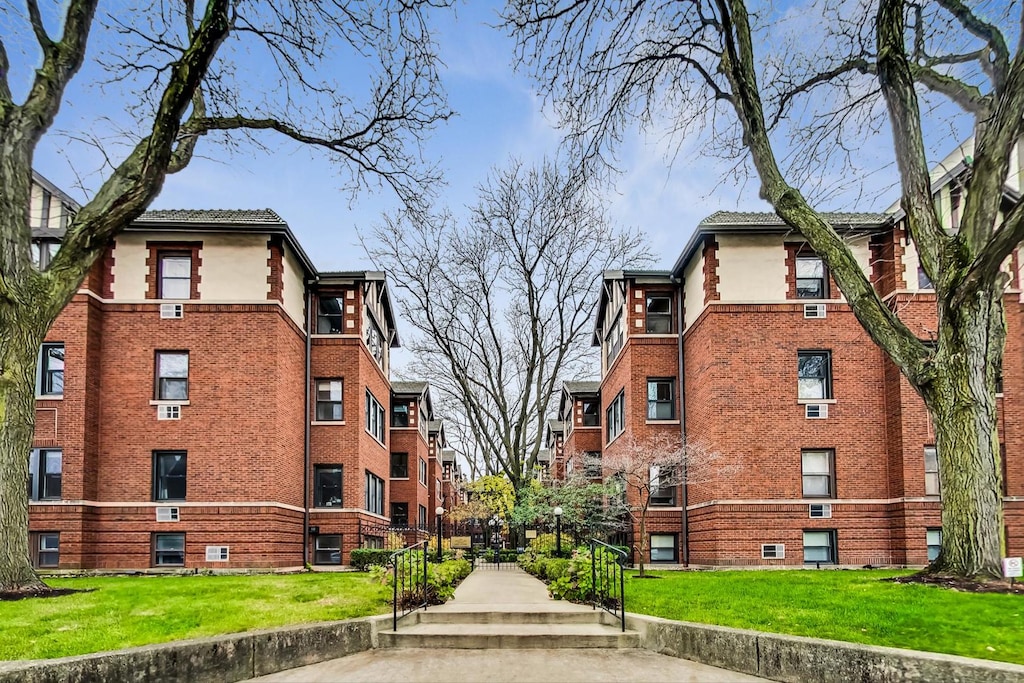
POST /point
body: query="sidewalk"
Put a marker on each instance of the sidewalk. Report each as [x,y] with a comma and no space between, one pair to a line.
[503,592]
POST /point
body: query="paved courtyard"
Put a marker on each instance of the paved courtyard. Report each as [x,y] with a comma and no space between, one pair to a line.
[504,592]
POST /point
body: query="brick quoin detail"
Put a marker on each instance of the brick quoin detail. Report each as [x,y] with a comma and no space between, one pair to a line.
[152,261]
[107,274]
[275,261]
[711,271]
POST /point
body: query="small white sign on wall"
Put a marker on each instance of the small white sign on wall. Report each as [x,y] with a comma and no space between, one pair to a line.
[1013,567]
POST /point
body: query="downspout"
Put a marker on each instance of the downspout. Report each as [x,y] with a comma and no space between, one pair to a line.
[306,427]
[682,420]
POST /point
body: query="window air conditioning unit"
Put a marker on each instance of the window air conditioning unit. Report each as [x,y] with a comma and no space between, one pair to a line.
[773,551]
[167,515]
[172,311]
[216,553]
[816,411]
[168,411]
[820,510]
[814,310]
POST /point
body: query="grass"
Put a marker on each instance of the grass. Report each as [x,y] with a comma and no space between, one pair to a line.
[127,611]
[854,606]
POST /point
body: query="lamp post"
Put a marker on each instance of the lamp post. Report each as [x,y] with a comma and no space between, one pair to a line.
[439,511]
[558,531]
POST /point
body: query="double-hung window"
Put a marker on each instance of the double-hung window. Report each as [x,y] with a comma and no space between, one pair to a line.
[931,471]
[818,473]
[175,275]
[820,546]
[662,484]
[169,550]
[172,375]
[613,341]
[374,417]
[51,370]
[659,314]
[374,493]
[327,486]
[44,474]
[661,399]
[400,514]
[328,315]
[592,465]
[423,517]
[43,252]
[169,475]
[814,375]
[591,412]
[399,465]
[423,471]
[375,342]
[615,416]
[399,414]
[329,403]
[663,547]
[811,280]
[934,540]
[45,549]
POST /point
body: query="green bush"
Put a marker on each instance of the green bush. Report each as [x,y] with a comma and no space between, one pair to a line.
[442,578]
[555,568]
[576,582]
[364,558]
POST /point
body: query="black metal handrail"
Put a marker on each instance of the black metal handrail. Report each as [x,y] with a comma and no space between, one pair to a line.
[408,575]
[608,579]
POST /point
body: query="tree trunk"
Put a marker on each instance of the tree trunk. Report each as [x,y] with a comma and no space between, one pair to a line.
[962,404]
[642,546]
[22,329]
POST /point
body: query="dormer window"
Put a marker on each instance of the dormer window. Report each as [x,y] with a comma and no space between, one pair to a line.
[328,316]
[811,282]
[659,314]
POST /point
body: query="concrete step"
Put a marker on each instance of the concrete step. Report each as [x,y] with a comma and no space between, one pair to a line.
[513,617]
[477,636]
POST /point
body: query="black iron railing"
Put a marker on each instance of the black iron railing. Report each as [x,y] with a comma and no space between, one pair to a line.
[409,580]
[608,579]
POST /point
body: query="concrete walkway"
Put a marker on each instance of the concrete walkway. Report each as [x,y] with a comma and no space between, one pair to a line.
[508,591]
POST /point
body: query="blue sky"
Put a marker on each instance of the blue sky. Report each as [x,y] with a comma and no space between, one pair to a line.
[498,115]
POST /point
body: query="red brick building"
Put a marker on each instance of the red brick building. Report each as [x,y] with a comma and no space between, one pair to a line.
[209,399]
[746,347]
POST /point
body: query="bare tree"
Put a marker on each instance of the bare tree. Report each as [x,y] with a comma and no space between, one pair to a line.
[609,64]
[653,465]
[187,75]
[503,301]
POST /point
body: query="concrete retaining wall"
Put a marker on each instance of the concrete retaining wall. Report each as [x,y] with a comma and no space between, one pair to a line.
[219,659]
[799,660]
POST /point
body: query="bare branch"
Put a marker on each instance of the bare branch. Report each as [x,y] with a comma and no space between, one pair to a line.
[36,20]
[990,34]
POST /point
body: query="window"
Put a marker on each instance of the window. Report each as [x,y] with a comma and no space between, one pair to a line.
[373,542]
[374,417]
[661,399]
[51,370]
[169,550]
[399,514]
[327,486]
[44,209]
[327,549]
[820,546]
[329,404]
[45,549]
[663,547]
[818,473]
[175,275]
[423,471]
[423,517]
[172,375]
[169,469]
[44,474]
[931,471]
[399,414]
[663,488]
[43,252]
[328,316]
[399,465]
[615,416]
[659,314]
[811,282]
[613,342]
[591,412]
[374,493]
[375,342]
[934,540]
[814,374]
[592,465]
[923,281]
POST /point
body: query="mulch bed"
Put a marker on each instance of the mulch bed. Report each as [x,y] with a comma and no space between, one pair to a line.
[45,592]
[963,585]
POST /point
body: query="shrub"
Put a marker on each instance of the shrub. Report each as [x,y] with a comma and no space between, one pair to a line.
[544,544]
[555,568]
[576,580]
[364,558]
[442,578]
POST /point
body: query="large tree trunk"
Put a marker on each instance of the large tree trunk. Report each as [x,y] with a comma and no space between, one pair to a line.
[962,404]
[22,329]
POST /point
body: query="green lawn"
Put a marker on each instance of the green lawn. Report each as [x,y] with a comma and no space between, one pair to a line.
[127,611]
[840,605]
